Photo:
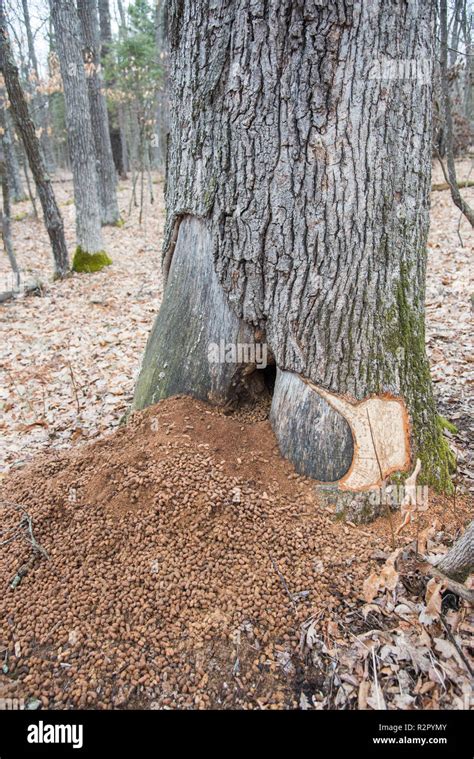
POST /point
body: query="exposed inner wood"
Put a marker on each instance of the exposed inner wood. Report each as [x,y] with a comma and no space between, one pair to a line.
[333,439]
[381,440]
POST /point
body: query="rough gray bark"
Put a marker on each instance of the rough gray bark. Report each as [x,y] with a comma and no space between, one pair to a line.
[12,165]
[5,216]
[450,173]
[458,563]
[40,101]
[26,129]
[87,10]
[467,21]
[105,27]
[162,105]
[192,291]
[309,170]
[79,127]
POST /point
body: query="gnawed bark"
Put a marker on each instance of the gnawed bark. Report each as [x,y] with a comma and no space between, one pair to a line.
[309,430]
[195,316]
[309,170]
[359,444]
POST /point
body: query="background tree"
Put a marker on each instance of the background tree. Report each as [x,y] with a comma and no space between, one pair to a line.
[87,10]
[6,209]
[297,197]
[27,131]
[136,70]
[12,164]
[39,98]
[447,114]
[116,114]
[89,255]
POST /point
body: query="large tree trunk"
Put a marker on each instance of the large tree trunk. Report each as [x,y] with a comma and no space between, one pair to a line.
[87,10]
[298,178]
[26,129]
[89,254]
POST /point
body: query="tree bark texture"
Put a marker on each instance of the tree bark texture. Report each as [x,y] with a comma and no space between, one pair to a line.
[26,129]
[309,171]
[79,126]
[40,101]
[12,165]
[105,27]
[87,10]
[458,563]
[5,219]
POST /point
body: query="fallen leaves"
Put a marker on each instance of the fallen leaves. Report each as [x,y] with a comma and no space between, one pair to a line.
[387,578]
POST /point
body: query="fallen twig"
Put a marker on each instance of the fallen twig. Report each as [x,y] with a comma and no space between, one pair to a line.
[456,645]
[25,521]
[282,580]
[446,186]
[456,587]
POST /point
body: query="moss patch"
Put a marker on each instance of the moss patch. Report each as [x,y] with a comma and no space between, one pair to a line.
[447,425]
[405,340]
[20,216]
[89,262]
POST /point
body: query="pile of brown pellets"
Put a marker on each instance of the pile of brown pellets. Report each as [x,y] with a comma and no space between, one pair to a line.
[171,564]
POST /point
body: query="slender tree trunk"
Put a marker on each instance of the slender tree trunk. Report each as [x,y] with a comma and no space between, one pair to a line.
[450,174]
[5,220]
[467,21]
[116,134]
[87,10]
[12,163]
[26,129]
[105,27]
[40,101]
[122,120]
[162,105]
[31,194]
[89,253]
[297,201]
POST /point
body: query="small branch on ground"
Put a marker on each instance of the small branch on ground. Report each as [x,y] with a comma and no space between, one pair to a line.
[283,581]
[27,522]
[456,587]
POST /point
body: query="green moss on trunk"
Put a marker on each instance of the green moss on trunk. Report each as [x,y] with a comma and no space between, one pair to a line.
[429,443]
[90,262]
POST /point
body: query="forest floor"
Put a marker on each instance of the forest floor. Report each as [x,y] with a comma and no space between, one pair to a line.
[186,564]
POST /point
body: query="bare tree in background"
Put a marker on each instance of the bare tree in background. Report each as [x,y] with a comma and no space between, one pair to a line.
[6,209]
[87,10]
[40,102]
[12,165]
[449,170]
[89,255]
[26,129]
